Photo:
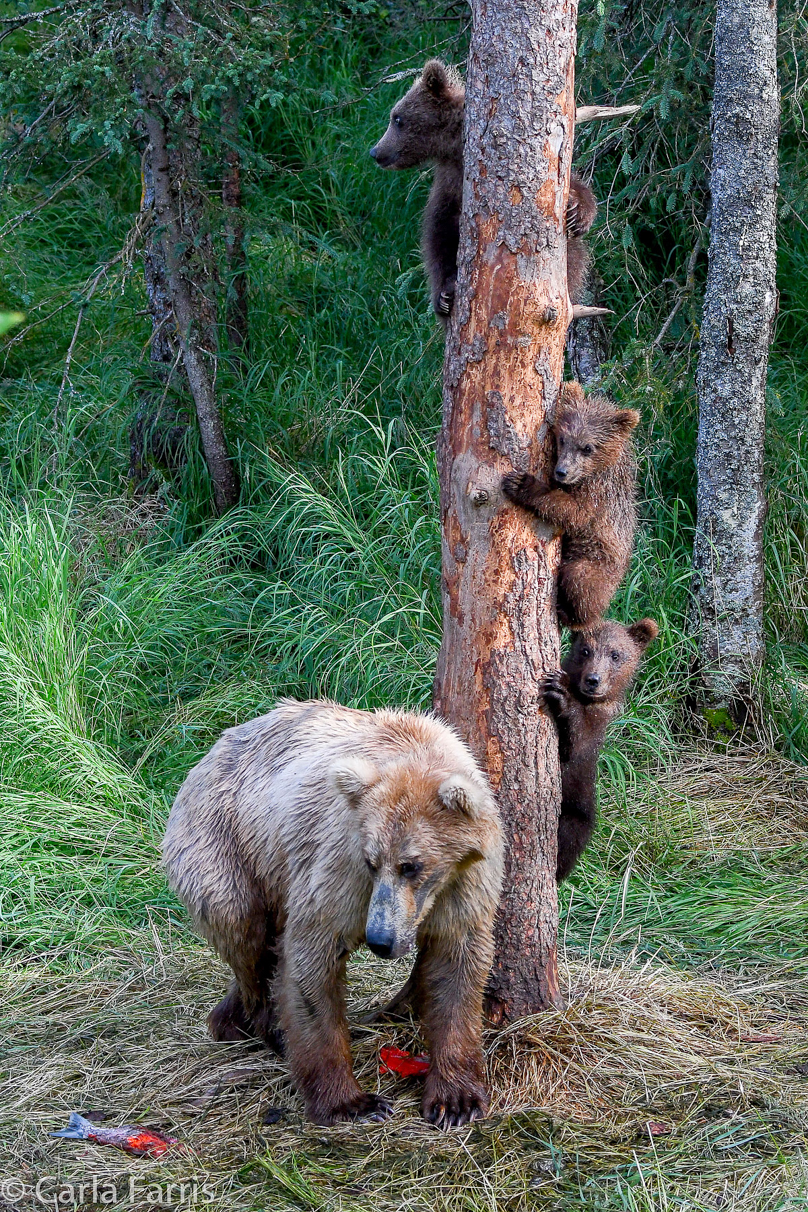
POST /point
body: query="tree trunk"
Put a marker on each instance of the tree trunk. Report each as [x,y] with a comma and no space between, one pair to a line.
[148,433]
[589,340]
[739,310]
[194,323]
[236,307]
[504,361]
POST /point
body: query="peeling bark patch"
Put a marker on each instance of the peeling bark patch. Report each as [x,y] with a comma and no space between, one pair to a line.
[502,435]
[730,336]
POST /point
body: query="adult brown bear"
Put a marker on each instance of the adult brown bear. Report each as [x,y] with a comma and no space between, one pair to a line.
[313,829]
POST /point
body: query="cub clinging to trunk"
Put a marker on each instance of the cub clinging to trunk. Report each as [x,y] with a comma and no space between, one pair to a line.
[313,829]
[583,697]
[427,125]
[590,499]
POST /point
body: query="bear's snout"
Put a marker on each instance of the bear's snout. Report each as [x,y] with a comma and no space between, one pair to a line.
[389,929]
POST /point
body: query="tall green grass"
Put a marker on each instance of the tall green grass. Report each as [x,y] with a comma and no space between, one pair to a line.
[132,631]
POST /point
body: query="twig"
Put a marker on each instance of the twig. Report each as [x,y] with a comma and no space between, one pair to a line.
[580,312]
[687,289]
[588,113]
[63,185]
[37,15]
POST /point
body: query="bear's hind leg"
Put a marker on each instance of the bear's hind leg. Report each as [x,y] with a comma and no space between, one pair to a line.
[229,1022]
[248,1011]
[585,590]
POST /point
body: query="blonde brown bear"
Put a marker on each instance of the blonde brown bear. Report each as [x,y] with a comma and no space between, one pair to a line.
[314,829]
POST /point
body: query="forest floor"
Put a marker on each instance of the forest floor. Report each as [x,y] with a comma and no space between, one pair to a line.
[656,1087]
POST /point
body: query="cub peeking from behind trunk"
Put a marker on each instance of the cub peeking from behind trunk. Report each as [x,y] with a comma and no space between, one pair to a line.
[583,697]
[427,125]
[590,500]
[314,829]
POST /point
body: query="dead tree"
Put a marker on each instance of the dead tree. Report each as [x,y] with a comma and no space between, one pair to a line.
[504,360]
[739,310]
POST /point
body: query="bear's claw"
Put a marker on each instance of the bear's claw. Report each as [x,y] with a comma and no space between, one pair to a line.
[518,486]
[360,1106]
[450,1107]
[445,302]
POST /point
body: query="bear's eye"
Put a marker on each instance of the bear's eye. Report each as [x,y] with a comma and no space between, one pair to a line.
[397,122]
[372,867]
[586,652]
[587,450]
[409,870]
[615,656]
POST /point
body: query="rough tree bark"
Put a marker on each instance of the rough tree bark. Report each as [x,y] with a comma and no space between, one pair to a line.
[504,361]
[739,310]
[194,325]
[589,340]
[155,432]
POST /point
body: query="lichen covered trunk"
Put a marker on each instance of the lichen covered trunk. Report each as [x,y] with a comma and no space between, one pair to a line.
[504,361]
[194,314]
[739,310]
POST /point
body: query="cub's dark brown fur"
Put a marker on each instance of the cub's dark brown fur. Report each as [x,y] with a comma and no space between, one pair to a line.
[427,125]
[583,697]
[591,499]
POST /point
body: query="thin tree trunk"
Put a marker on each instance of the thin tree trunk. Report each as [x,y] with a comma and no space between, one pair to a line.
[504,361]
[589,340]
[193,323]
[739,310]
[236,305]
[146,435]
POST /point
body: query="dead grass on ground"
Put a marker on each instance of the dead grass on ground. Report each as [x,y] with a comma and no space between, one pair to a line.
[648,1083]
[745,800]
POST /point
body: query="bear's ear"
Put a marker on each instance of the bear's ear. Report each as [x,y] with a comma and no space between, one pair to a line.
[459,794]
[624,420]
[570,398]
[644,632]
[435,78]
[352,777]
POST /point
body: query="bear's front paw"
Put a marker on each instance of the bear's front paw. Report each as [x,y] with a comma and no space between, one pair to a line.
[520,487]
[445,301]
[555,688]
[449,1104]
[356,1106]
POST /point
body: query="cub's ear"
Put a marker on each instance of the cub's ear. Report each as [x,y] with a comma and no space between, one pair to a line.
[644,632]
[352,777]
[625,419]
[459,794]
[570,397]
[435,78]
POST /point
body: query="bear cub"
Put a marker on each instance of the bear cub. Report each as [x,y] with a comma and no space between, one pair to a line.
[427,125]
[591,499]
[314,829]
[583,697]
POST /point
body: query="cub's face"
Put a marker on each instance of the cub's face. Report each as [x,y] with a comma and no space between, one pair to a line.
[588,441]
[417,831]
[604,658]
[425,124]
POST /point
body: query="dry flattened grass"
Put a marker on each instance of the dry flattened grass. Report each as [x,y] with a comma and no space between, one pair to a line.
[717,802]
[741,800]
[573,1092]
